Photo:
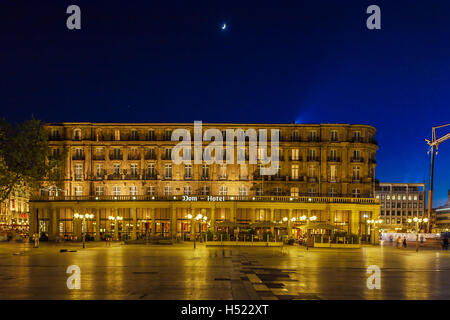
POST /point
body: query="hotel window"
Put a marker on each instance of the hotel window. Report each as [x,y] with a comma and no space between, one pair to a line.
[332,192]
[168,154]
[312,136]
[133,191]
[333,173]
[77,134]
[134,169]
[333,155]
[295,154]
[356,193]
[167,190]
[117,135]
[223,190]
[393,197]
[55,134]
[259,191]
[243,191]
[151,169]
[295,136]
[277,191]
[134,135]
[99,170]
[78,171]
[294,171]
[151,191]
[204,191]
[357,136]
[205,171]
[168,135]
[415,198]
[294,192]
[334,135]
[312,154]
[388,197]
[312,191]
[356,155]
[187,190]
[78,154]
[134,154]
[223,171]
[78,191]
[188,171]
[116,191]
[151,135]
[116,168]
[168,171]
[99,190]
[356,173]
[312,171]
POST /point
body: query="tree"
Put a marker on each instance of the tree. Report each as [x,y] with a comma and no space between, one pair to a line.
[25,157]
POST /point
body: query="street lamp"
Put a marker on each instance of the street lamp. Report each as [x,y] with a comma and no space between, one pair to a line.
[374,223]
[417,221]
[83,218]
[116,227]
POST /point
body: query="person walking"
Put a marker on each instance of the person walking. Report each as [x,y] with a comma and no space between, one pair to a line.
[398,242]
[404,242]
[445,244]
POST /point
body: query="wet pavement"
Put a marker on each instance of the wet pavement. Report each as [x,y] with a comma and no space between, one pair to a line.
[180,272]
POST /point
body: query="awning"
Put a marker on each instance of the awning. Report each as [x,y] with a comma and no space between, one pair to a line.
[317,226]
[229,224]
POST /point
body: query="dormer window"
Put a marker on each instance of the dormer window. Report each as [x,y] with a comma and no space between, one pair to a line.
[77,134]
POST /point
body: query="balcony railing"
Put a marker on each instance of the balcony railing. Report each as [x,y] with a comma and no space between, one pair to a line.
[99,157]
[334,159]
[277,198]
[310,158]
[357,159]
[115,156]
[78,157]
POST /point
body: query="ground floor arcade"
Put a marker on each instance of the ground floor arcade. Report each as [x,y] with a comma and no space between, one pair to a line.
[129,220]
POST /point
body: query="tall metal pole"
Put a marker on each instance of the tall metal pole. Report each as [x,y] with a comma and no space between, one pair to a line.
[430,191]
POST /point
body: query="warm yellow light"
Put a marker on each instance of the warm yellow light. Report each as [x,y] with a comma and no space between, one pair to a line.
[415,219]
[76,215]
[293,219]
[313,218]
[285,219]
[425,220]
[189,216]
[409,220]
[303,218]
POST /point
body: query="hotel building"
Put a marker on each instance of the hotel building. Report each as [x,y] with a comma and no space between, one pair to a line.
[400,202]
[123,175]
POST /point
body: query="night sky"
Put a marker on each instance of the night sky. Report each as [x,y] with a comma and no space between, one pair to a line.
[277,61]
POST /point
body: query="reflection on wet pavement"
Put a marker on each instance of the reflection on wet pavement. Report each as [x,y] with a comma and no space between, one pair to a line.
[180,272]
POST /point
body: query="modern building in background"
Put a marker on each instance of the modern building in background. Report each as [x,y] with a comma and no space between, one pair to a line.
[123,175]
[442,216]
[400,202]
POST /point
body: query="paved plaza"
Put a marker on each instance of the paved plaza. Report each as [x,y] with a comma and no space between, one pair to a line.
[180,272]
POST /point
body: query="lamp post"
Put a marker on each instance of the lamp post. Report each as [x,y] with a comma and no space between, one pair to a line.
[199,217]
[83,218]
[116,222]
[373,224]
[189,216]
[417,221]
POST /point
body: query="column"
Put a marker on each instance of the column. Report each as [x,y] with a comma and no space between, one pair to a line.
[97,224]
[53,227]
[289,228]
[252,215]
[173,222]
[233,213]
[272,229]
[213,219]
[193,224]
[152,215]
[134,222]
[116,224]
[32,219]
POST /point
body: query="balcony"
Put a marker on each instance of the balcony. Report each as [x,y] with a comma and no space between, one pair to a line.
[357,160]
[149,175]
[334,159]
[150,156]
[298,179]
[312,179]
[166,157]
[357,140]
[312,159]
[205,177]
[100,157]
[78,157]
[115,156]
[372,161]
[278,178]
[295,159]
[313,139]
[316,198]
[356,180]
[134,157]
[132,176]
[187,177]
[115,176]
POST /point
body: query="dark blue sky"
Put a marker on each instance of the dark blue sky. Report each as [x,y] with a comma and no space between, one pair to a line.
[278,61]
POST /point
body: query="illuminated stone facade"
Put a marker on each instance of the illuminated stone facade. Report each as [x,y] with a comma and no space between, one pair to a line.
[325,170]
